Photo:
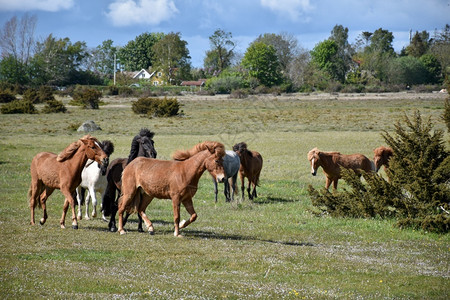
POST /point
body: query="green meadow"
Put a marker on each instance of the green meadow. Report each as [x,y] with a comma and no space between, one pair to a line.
[272,248]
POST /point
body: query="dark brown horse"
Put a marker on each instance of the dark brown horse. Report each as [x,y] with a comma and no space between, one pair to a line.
[251,165]
[331,163]
[50,171]
[382,155]
[142,145]
[146,178]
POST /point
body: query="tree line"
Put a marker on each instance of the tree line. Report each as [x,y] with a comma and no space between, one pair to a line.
[271,60]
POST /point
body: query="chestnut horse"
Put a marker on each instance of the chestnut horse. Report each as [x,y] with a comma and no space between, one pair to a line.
[331,163]
[50,171]
[251,165]
[142,145]
[147,178]
[381,157]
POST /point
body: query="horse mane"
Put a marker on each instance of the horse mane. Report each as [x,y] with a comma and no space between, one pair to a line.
[317,151]
[70,150]
[380,150]
[107,147]
[145,132]
[213,147]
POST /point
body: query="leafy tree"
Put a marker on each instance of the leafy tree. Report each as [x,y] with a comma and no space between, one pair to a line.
[440,48]
[433,68]
[324,56]
[261,62]
[56,60]
[138,54]
[286,47]
[221,53]
[418,45]
[407,70]
[172,56]
[343,58]
[101,59]
[13,71]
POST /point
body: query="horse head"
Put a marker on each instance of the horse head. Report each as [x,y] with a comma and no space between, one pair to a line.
[95,152]
[108,148]
[314,159]
[214,162]
[381,156]
[146,147]
[240,148]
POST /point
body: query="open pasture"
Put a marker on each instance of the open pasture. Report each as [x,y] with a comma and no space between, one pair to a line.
[272,248]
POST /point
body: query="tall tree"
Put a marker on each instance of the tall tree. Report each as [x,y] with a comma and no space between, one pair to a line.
[343,58]
[17,38]
[418,45]
[172,56]
[101,59]
[324,56]
[222,50]
[440,48]
[56,60]
[261,62]
[138,54]
[286,47]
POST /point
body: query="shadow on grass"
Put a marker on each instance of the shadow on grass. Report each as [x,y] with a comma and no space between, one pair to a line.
[211,235]
[270,200]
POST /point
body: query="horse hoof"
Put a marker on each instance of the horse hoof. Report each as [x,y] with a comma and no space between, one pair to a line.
[79,218]
[122,232]
[63,226]
[41,221]
[151,232]
[74,226]
[113,229]
[140,230]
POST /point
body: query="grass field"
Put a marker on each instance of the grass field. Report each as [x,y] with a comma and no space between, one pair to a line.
[274,247]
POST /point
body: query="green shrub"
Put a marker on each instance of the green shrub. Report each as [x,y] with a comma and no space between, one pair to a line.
[446,115]
[6,96]
[239,94]
[54,106]
[113,90]
[31,95]
[45,93]
[18,107]
[125,91]
[418,192]
[89,98]
[155,107]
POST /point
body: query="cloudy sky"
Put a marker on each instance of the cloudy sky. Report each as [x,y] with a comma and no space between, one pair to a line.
[311,21]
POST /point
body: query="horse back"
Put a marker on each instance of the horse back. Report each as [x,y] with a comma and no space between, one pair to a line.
[356,162]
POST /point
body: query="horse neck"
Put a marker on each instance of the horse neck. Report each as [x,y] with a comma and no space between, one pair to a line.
[195,166]
[326,160]
[79,160]
[245,160]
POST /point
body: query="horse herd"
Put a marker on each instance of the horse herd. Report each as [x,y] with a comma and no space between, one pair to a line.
[128,185]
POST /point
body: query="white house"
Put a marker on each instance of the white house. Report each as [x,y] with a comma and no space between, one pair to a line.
[143,74]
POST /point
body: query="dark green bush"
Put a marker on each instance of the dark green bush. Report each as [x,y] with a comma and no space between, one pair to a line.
[418,193]
[31,95]
[125,91]
[155,107]
[54,106]
[446,115]
[18,107]
[113,90]
[6,96]
[88,98]
[45,93]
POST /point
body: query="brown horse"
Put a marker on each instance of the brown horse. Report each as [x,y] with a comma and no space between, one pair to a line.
[251,165]
[142,145]
[50,171]
[331,163]
[381,157]
[146,178]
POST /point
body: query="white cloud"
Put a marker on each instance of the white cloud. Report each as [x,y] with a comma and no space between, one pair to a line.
[292,9]
[28,5]
[147,12]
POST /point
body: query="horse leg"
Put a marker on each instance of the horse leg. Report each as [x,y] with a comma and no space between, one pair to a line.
[215,190]
[254,194]
[80,214]
[145,201]
[69,201]
[327,183]
[335,182]
[123,201]
[112,220]
[94,201]
[176,215]
[250,196]
[190,209]
[242,186]
[35,190]
[43,199]
[226,190]
[233,186]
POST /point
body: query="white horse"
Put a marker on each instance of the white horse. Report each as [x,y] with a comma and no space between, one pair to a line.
[231,164]
[94,181]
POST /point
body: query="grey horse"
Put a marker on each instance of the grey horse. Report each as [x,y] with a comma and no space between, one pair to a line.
[231,164]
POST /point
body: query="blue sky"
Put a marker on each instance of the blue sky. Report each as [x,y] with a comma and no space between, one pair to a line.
[310,21]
